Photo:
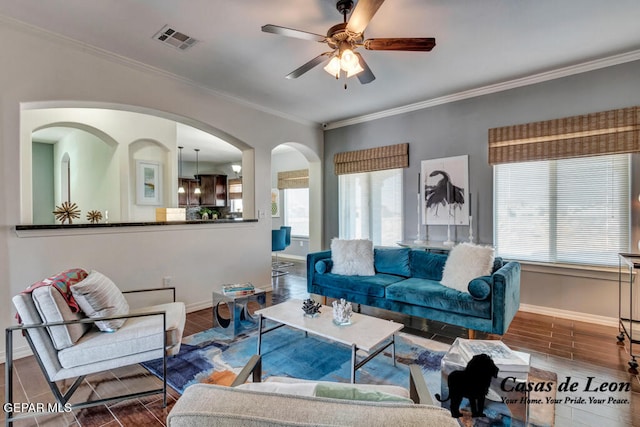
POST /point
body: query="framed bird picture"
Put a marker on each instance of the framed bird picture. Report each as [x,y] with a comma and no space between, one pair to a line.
[445,191]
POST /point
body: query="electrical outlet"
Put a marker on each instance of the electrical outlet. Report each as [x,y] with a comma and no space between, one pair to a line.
[301,244]
[166,281]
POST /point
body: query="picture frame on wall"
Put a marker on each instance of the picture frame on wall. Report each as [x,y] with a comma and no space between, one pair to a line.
[148,182]
[275,203]
[445,191]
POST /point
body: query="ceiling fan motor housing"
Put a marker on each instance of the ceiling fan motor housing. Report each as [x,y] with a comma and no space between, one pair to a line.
[344,6]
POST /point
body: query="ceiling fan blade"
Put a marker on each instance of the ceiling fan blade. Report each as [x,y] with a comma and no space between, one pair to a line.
[362,14]
[309,65]
[409,44]
[289,32]
[365,76]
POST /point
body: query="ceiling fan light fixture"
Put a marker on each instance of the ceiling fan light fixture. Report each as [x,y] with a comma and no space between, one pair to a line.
[333,67]
[355,70]
[348,60]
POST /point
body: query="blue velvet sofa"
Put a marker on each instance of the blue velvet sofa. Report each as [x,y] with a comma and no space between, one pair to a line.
[408,281]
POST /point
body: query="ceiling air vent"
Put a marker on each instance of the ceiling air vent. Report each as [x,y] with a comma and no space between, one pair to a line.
[175,39]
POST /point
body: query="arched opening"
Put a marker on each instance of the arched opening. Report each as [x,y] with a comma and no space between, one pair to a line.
[296,197]
[103,146]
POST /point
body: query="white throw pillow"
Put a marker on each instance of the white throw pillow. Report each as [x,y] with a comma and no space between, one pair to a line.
[352,257]
[98,296]
[466,262]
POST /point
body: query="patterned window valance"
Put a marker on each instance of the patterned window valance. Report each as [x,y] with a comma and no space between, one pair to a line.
[372,159]
[293,179]
[607,132]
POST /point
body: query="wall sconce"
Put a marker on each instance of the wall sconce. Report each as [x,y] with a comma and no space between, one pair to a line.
[236,169]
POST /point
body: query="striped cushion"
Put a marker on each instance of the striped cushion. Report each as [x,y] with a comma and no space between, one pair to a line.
[98,296]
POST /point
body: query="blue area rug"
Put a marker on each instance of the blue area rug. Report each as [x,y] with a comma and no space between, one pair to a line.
[211,357]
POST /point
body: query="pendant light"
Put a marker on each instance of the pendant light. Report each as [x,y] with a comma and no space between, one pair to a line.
[180,186]
[197,190]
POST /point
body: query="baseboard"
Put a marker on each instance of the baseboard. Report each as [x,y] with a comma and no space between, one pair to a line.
[18,353]
[198,306]
[292,257]
[572,315]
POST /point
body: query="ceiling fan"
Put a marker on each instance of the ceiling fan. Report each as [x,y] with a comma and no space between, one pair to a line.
[346,37]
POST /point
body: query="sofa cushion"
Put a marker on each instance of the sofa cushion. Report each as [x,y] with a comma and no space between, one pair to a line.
[429,293]
[137,335]
[466,261]
[352,257]
[427,265]
[364,285]
[392,261]
[98,296]
[52,307]
[479,288]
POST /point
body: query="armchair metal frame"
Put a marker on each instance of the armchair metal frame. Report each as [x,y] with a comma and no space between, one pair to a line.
[63,398]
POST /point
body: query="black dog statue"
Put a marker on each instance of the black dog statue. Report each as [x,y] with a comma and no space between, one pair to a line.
[472,383]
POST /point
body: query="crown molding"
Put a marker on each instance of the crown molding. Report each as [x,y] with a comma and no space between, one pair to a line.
[494,88]
[140,66]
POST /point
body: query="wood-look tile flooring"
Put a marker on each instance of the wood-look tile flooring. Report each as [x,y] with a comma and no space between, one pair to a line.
[569,348]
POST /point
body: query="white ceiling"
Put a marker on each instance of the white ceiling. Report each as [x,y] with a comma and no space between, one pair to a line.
[479,43]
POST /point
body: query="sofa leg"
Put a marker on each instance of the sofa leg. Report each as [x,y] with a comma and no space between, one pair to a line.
[324,300]
[472,334]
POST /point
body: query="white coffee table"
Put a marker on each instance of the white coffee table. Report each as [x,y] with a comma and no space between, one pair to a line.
[364,333]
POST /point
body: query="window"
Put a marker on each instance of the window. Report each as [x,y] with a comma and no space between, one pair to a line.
[573,211]
[370,206]
[296,211]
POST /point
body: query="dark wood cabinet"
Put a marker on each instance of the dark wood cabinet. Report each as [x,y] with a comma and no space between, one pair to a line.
[213,191]
[189,197]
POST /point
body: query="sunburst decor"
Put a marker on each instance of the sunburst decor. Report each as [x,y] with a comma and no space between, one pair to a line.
[67,211]
[94,216]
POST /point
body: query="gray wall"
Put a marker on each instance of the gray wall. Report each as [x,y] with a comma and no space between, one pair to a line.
[460,128]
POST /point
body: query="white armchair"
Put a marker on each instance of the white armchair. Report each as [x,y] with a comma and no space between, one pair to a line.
[69,345]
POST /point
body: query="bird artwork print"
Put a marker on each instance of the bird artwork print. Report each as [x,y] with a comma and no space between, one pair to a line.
[444,193]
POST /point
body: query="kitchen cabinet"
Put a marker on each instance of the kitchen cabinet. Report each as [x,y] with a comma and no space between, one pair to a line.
[189,197]
[213,191]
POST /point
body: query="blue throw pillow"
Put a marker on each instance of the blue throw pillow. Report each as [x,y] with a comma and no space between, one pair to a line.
[323,266]
[479,288]
[392,261]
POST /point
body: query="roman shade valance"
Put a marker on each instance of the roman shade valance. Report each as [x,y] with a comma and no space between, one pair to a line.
[293,179]
[607,132]
[235,188]
[372,159]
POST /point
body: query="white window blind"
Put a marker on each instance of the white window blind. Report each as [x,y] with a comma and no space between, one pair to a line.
[574,211]
[296,211]
[370,206]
